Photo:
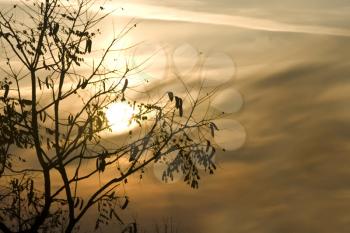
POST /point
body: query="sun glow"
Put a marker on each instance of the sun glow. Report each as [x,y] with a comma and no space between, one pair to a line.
[119,116]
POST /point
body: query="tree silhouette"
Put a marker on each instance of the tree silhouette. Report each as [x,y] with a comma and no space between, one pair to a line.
[46,152]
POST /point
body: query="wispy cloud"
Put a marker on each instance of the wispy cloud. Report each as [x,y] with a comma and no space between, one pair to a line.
[152,12]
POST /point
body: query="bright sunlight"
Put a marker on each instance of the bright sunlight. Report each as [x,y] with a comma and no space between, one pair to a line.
[119,116]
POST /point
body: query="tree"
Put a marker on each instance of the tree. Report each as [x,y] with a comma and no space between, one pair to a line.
[43,148]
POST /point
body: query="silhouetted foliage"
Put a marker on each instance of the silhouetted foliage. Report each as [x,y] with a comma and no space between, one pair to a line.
[47,149]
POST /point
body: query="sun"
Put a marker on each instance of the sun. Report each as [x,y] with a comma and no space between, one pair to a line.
[119,116]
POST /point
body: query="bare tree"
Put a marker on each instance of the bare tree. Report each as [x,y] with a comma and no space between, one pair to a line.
[43,147]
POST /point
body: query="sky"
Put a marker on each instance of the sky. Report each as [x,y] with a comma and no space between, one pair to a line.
[285,66]
[292,68]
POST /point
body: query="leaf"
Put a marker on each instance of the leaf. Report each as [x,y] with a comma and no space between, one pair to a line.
[88,45]
[212,153]
[134,227]
[7,88]
[97,224]
[31,192]
[55,28]
[134,151]
[208,146]
[70,119]
[100,164]
[48,144]
[84,84]
[79,83]
[27,102]
[177,102]
[181,111]
[178,105]
[187,177]
[125,85]
[213,127]
[212,131]
[47,82]
[49,131]
[171,96]
[125,203]
[99,123]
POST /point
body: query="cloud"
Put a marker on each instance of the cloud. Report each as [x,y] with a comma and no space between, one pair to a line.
[293,182]
[151,12]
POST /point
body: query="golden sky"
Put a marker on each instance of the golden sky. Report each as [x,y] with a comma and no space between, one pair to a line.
[292,64]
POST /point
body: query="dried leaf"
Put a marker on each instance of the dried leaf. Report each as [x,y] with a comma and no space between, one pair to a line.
[84,84]
[88,45]
[208,146]
[125,85]
[171,96]
[55,28]
[213,127]
[125,203]
[7,88]
[177,102]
